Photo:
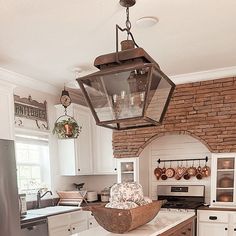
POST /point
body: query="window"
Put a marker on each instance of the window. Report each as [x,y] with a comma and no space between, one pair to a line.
[33,166]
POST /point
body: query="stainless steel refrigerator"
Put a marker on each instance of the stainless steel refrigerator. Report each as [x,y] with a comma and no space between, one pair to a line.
[9,204]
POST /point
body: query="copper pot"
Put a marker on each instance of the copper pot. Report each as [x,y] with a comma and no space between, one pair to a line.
[158,172]
[170,172]
[206,171]
[192,171]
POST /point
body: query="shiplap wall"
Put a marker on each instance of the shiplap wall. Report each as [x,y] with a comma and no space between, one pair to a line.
[177,147]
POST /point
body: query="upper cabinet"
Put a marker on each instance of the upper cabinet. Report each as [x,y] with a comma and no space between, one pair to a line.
[127,170]
[104,162]
[91,153]
[76,154]
[223,184]
[7,112]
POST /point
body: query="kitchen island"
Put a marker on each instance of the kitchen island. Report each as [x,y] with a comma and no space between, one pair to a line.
[165,224]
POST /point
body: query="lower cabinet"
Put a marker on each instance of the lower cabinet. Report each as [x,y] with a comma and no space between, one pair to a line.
[91,221]
[68,223]
[217,223]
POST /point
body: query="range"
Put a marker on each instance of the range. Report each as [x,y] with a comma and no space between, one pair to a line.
[181,198]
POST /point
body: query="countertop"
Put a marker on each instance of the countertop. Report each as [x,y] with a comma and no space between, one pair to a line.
[208,208]
[43,213]
[160,224]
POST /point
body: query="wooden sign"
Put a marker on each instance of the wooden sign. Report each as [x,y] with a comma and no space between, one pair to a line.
[30,109]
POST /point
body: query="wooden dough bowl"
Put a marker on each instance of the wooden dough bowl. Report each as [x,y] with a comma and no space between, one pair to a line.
[121,221]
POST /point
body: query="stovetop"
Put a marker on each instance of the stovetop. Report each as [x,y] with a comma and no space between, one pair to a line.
[182,205]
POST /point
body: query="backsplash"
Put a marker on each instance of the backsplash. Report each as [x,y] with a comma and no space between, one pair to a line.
[177,147]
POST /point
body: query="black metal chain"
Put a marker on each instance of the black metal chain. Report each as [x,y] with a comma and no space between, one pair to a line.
[128,23]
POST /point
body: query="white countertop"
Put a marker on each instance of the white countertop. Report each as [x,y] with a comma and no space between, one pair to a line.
[164,221]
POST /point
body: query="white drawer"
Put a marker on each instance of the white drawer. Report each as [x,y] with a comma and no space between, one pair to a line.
[213,216]
[233,217]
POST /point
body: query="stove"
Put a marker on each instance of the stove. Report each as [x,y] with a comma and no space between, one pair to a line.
[181,197]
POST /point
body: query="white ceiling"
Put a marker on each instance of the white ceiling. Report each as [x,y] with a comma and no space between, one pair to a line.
[46,39]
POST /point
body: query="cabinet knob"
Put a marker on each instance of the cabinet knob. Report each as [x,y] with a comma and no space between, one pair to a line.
[68,229]
[115,169]
[214,200]
[183,233]
[73,228]
[226,228]
[78,169]
[234,229]
[90,223]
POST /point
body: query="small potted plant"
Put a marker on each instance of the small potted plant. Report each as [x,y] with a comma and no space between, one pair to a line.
[66,127]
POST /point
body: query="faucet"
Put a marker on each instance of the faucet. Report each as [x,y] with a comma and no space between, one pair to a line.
[39,197]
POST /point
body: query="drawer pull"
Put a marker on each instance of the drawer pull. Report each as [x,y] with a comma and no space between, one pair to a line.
[226,228]
[212,217]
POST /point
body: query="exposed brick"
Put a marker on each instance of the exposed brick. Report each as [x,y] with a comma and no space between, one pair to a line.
[205,110]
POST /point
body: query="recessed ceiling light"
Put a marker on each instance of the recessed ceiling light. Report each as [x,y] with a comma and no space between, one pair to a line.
[147,21]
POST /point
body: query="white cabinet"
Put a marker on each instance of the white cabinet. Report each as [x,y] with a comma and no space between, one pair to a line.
[7,111]
[223,183]
[217,223]
[127,170]
[91,153]
[103,160]
[67,224]
[75,155]
[91,221]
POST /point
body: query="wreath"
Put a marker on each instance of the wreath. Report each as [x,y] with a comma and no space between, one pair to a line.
[66,128]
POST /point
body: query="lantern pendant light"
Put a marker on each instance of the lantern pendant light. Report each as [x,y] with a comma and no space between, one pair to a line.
[66,127]
[129,90]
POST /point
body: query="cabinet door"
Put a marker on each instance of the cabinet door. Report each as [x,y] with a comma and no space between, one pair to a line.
[67,157]
[59,225]
[210,229]
[84,141]
[104,162]
[60,231]
[223,179]
[127,170]
[75,155]
[92,221]
[78,221]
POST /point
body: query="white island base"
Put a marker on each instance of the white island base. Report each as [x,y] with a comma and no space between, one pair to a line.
[164,222]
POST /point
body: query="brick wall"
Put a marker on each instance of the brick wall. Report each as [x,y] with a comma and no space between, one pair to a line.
[205,110]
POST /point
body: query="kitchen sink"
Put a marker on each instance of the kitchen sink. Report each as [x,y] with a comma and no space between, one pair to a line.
[52,210]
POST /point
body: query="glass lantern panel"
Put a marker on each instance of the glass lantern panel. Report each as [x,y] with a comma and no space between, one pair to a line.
[157,96]
[117,95]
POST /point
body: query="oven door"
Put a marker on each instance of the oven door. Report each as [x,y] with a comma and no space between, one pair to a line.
[35,228]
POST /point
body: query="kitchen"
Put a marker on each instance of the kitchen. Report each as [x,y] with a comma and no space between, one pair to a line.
[199,122]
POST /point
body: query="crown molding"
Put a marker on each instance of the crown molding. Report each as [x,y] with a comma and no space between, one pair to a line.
[12,78]
[16,79]
[204,75]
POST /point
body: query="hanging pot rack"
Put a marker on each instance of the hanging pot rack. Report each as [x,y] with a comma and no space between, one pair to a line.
[181,160]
